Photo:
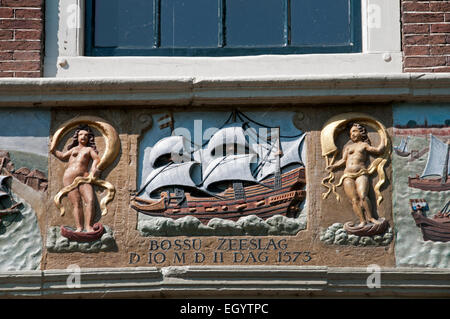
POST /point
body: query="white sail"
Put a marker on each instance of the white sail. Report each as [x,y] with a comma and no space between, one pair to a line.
[229,168]
[437,160]
[182,174]
[177,146]
[228,136]
[292,153]
[403,147]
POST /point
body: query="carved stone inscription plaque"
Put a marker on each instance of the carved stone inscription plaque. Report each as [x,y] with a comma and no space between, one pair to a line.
[224,187]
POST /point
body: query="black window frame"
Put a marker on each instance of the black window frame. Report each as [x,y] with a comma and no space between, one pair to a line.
[355,45]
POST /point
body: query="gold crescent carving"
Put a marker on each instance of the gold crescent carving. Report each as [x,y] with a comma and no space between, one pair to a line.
[327,138]
[112,150]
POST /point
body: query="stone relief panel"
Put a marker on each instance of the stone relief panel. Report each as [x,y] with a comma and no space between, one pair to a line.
[222,173]
[131,187]
[370,228]
[23,187]
[83,171]
[422,185]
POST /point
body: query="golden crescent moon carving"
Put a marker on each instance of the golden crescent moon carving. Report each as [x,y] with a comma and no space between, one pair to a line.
[327,138]
[112,149]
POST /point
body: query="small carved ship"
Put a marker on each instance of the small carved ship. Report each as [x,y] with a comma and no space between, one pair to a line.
[402,149]
[436,228]
[437,165]
[228,177]
[7,204]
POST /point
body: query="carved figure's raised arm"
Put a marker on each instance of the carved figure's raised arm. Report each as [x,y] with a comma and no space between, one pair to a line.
[339,163]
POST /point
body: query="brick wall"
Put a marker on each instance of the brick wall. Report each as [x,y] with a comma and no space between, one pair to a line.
[21,38]
[426,36]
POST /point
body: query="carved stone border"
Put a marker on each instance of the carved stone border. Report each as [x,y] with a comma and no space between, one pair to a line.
[62,92]
[230,282]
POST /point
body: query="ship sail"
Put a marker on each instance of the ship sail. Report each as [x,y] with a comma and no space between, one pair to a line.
[292,153]
[437,161]
[232,135]
[174,174]
[174,147]
[229,168]
[403,147]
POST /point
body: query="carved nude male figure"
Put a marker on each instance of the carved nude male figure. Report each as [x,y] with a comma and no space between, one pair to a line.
[356,185]
[80,153]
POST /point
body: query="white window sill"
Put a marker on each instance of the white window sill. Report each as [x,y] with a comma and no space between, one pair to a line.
[224,67]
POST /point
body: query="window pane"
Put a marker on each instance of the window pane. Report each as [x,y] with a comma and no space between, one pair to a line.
[189,23]
[320,22]
[123,23]
[254,22]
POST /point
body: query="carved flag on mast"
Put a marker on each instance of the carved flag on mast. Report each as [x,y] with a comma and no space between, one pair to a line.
[166,121]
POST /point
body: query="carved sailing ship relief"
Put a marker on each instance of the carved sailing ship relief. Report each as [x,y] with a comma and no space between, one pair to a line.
[402,149]
[437,165]
[8,205]
[227,177]
[436,228]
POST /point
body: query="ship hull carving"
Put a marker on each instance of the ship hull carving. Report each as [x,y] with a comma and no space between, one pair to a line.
[261,200]
[429,184]
[434,229]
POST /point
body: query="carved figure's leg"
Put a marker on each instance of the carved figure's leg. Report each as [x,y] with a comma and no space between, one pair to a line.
[75,199]
[350,191]
[87,193]
[362,187]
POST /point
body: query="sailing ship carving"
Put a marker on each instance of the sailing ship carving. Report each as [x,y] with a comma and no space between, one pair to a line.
[437,165]
[402,149]
[228,177]
[7,203]
[436,228]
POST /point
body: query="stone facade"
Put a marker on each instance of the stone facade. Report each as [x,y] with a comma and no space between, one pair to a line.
[311,248]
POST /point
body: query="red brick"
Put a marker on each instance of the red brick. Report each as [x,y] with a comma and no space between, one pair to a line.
[447,17]
[440,28]
[422,17]
[416,28]
[423,70]
[20,45]
[414,6]
[20,66]
[417,50]
[5,55]
[22,3]
[425,39]
[28,13]
[440,50]
[28,74]
[6,13]
[424,61]
[6,35]
[28,35]
[442,69]
[6,74]
[27,55]
[440,6]
[21,24]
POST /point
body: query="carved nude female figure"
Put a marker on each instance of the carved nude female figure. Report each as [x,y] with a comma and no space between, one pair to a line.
[356,186]
[80,154]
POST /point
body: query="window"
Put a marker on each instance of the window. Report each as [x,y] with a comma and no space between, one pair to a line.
[221,27]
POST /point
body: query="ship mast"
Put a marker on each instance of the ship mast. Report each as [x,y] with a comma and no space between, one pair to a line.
[445,168]
[278,154]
